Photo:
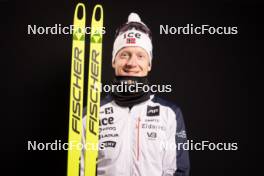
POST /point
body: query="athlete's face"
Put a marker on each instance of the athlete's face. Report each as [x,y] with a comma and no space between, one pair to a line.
[132,61]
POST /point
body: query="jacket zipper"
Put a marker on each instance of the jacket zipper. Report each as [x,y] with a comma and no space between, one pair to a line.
[138,135]
[129,131]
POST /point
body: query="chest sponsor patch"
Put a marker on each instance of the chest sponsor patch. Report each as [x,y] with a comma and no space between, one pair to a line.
[154,127]
[107,129]
[107,135]
[153,110]
[109,144]
[152,120]
[109,110]
[152,135]
[106,121]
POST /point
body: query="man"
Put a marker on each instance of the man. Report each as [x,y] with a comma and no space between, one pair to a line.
[136,126]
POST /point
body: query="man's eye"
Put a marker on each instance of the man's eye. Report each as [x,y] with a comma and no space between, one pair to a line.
[124,55]
[140,56]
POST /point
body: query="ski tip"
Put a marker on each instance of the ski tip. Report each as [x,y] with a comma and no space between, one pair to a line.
[80,12]
[96,13]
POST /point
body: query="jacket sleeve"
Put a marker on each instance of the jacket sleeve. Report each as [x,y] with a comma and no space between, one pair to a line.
[183,162]
[169,156]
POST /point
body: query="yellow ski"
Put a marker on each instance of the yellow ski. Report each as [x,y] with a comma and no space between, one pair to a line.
[93,102]
[76,92]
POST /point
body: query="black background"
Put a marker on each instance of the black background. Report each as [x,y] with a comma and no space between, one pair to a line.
[209,75]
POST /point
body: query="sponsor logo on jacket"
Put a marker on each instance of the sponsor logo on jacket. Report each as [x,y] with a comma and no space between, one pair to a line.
[109,144]
[154,127]
[109,110]
[152,135]
[106,121]
[107,135]
[181,134]
[153,111]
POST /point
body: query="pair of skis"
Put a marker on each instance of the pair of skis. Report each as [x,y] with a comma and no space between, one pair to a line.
[77,92]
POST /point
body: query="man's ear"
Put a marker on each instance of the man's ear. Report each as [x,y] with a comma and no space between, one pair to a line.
[149,67]
[113,64]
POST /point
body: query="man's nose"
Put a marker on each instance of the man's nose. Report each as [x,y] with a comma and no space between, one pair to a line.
[132,61]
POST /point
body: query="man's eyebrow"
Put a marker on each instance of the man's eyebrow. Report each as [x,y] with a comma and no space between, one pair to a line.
[142,52]
[124,51]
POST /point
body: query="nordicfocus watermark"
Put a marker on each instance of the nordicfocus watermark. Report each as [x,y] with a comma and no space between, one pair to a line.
[58,145]
[198,30]
[132,88]
[58,29]
[137,87]
[203,145]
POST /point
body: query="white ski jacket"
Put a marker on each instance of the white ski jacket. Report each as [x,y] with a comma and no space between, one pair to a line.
[139,141]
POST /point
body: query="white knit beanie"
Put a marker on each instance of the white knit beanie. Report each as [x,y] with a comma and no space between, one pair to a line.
[133,37]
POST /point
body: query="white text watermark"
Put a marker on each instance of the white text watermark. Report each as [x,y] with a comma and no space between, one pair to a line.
[58,29]
[198,30]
